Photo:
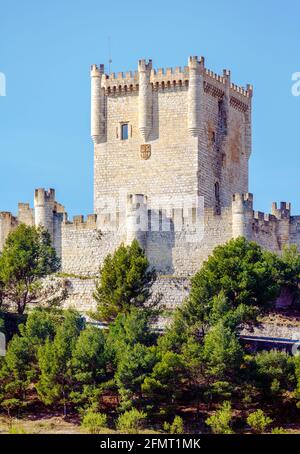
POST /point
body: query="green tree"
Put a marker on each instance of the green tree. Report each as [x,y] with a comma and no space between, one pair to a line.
[195,367]
[27,257]
[127,330]
[222,352]
[16,373]
[131,351]
[165,384]
[55,361]
[241,271]
[41,324]
[231,317]
[133,367]
[125,282]
[220,422]
[289,273]
[273,372]
[258,421]
[20,366]
[89,367]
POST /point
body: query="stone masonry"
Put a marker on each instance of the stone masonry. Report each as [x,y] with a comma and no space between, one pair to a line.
[171,153]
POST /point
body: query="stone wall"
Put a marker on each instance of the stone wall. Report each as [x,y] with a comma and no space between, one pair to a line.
[85,246]
[177,253]
[172,290]
[273,330]
[7,223]
[80,294]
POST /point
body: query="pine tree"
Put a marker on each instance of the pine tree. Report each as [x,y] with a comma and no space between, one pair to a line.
[125,282]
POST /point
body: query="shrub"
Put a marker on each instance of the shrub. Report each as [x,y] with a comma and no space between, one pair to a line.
[220,422]
[94,422]
[278,431]
[176,427]
[17,430]
[258,421]
[131,421]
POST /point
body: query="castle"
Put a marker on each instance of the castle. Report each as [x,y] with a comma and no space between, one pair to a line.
[171,153]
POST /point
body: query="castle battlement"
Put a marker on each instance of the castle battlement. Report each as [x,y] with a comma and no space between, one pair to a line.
[7,215]
[282,212]
[245,200]
[79,221]
[167,78]
[42,196]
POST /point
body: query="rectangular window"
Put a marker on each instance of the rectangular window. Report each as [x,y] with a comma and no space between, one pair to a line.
[124,131]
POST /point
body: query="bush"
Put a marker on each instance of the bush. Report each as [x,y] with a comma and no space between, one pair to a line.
[258,421]
[278,431]
[176,427]
[94,422]
[17,430]
[220,422]
[131,421]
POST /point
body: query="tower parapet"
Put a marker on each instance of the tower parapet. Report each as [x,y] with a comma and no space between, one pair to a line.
[242,214]
[97,103]
[145,98]
[283,214]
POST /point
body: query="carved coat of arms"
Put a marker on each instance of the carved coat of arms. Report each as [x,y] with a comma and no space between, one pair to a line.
[145,151]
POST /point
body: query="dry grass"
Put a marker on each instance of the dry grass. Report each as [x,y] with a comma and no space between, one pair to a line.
[48,425]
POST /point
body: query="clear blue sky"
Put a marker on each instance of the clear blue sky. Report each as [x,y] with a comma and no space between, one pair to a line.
[46,48]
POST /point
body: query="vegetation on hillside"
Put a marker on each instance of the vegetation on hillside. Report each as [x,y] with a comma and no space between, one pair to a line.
[129,377]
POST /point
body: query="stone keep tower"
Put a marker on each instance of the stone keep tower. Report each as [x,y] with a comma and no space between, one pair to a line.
[174,131]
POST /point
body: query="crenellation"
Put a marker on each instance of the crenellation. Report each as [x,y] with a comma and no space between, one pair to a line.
[171,76]
[79,221]
[284,212]
[8,222]
[259,215]
[25,214]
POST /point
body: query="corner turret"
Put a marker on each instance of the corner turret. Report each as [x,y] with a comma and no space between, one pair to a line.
[195,91]
[97,104]
[145,98]
[242,214]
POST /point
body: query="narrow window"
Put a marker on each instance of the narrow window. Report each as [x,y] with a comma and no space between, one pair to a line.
[217,198]
[213,137]
[217,191]
[124,131]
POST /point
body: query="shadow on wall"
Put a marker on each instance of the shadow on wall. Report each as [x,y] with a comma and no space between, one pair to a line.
[160,242]
[154,134]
